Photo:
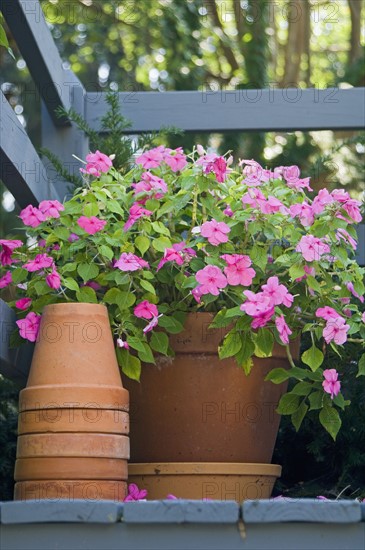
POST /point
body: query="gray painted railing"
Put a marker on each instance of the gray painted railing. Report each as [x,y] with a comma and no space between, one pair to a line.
[217,525]
[208,110]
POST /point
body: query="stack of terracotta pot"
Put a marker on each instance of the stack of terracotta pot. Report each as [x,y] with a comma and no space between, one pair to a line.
[73,422]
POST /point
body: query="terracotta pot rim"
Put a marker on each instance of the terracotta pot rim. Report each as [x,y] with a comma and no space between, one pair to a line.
[203,468]
[69,305]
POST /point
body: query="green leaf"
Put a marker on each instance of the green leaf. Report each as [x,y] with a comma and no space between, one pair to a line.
[161,243]
[232,344]
[87,294]
[171,324]
[330,420]
[135,343]
[146,355]
[296,271]
[159,227]
[3,38]
[87,271]
[41,288]
[258,256]
[19,275]
[159,342]
[106,251]
[67,268]
[130,365]
[313,357]
[361,371]
[111,296]
[147,286]
[61,233]
[264,342]
[125,300]
[220,319]
[71,284]
[114,206]
[316,400]
[302,388]
[288,403]
[91,209]
[142,243]
[277,376]
[313,283]
[244,356]
[247,366]
[298,416]
[339,400]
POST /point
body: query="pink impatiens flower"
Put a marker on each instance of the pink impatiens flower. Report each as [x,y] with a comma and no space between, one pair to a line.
[277,293]
[29,326]
[151,158]
[197,293]
[331,383]
[8,246]
[130,262]
[304,212]
[363,317]
[342,234]
[134,493]
[91,225]
[41,261]
[312,248]
[238,270]
[211,280]
[32,216]
[146,310]
[179,253]
[135,212]
[53,280]
[152,324]
[122,344]
[327,313]
[283,329]
[96,164]
[175,158]
[5,280]
[256,304]
[23,303]
[51,209]
[150,184]
[215,232]
[351,288]
[336,330]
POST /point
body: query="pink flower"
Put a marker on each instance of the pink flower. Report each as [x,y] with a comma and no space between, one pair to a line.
[29,326]
[283,329]
[331,384]
[53,280]
[352,208]
[215,232]
[8,246]
[175,159]
[31,216]
[211,280]
[256,304]
[122,344]
[327,313]
[179,253]
[277,293]
[312,248]
[23,303]
[321,200]
[254,198]
[91,225]
[150,184]
[130,262]
[197,293]
[336,330]
[228,211]
[238,270]
[350,287]
[219,167]
[92,284]
[253,172]
[152,158]
[291,173]
[146,310]
[51,209]
[271,205]
[363,317]
[134,493]
[300,184]
[135,212]
[309,271]
[151,325]
[73,237]
[345,236]
[5,280]
[304,212]
[96,164]
[41,261]
[262,318]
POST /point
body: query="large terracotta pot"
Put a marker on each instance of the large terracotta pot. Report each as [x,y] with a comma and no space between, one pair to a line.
[73,419]
[198,408]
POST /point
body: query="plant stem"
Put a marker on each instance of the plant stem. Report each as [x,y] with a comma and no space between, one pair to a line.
[290,357]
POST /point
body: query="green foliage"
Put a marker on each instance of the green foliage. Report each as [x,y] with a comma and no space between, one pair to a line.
[8,430]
